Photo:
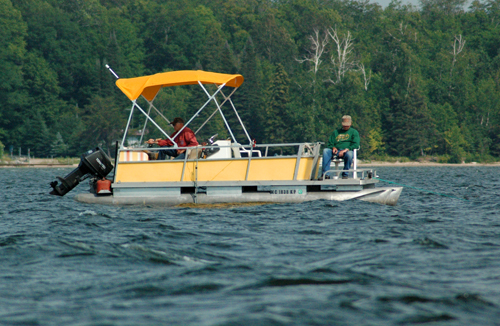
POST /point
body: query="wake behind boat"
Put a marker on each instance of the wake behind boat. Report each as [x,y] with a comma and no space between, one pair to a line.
[222,171]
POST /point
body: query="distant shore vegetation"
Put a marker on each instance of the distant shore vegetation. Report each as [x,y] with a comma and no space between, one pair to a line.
[419,81]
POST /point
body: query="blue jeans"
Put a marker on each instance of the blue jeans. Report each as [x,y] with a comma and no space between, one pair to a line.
[162,154]
[327,160]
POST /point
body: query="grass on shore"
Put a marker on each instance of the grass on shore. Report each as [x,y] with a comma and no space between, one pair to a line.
[41,161]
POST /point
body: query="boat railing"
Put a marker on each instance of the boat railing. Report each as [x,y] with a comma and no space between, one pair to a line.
[356,173]
[264,150]
[303,151]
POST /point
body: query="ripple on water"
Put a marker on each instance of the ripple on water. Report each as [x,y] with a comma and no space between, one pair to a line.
[432,259]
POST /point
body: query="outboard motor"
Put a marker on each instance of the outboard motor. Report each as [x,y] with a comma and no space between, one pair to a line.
[93,163]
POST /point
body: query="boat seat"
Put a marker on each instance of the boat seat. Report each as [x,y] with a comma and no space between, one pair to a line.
[131,156]
[246,153]
[239,152]
[236,150]
[194,153]
[354,162]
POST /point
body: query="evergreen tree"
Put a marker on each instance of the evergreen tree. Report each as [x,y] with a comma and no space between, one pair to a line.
[104,122]
[411,130]
[277,115]
[36,136]
[248,99]
[445,6]
[1,150]
[58,147]
[12,51]
[71,127]
[42,85]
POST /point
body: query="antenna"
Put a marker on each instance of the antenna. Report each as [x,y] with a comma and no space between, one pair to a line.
[111,70]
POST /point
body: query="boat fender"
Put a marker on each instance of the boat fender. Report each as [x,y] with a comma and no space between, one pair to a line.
[103,187]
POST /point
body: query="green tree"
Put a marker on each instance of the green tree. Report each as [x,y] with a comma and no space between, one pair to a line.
[12,51]
[61,42]
[42,85]
[455,143]
[277,122]
[71,127]
[411,130]
[2,146]
[104,121]
[248,99]
[36,135]
[375,141]
[445,6]
[58,146]
[273,41]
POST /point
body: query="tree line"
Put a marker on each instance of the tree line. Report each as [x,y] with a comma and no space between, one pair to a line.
[417,80]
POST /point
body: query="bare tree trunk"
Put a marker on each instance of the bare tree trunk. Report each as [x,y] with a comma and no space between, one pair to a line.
[315,51]
[458,46]
[343,62]
[366,79]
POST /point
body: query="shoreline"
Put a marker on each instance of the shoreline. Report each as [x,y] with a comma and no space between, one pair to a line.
[425,164]
[360,164]
[36,165]
[39,163]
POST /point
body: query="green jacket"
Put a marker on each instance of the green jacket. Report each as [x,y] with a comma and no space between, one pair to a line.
[341,139]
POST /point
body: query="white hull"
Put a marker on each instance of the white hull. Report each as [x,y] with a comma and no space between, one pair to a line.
[383,195]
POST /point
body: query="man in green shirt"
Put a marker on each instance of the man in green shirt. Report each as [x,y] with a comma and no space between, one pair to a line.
[341,144]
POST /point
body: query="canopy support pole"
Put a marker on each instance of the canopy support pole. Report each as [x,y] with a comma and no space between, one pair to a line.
[128,124]
[151,105]
[152,121]
[198,112]
[215,111]
[157,111]
[238,116]
[204,123]
[145,123]
[220,111]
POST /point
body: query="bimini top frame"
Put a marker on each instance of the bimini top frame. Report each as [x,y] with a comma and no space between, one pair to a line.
[149,86]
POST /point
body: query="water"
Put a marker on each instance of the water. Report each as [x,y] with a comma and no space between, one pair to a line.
[432,259]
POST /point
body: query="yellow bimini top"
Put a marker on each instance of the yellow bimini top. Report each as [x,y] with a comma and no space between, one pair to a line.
[149,86]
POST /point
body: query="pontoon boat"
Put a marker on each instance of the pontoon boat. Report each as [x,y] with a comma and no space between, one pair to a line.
[222,171]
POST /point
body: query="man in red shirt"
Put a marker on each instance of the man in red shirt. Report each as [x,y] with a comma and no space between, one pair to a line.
[185,139]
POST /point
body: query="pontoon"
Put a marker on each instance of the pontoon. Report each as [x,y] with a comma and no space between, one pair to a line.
[222,171]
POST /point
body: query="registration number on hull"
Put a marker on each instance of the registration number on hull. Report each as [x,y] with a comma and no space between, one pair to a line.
[284,190]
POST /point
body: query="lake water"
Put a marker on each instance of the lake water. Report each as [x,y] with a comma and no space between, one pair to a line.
[432,259]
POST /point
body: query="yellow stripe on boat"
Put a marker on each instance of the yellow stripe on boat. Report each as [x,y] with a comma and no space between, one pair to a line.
[215,170]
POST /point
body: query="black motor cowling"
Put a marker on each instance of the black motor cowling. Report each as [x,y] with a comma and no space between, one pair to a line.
[93,163]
